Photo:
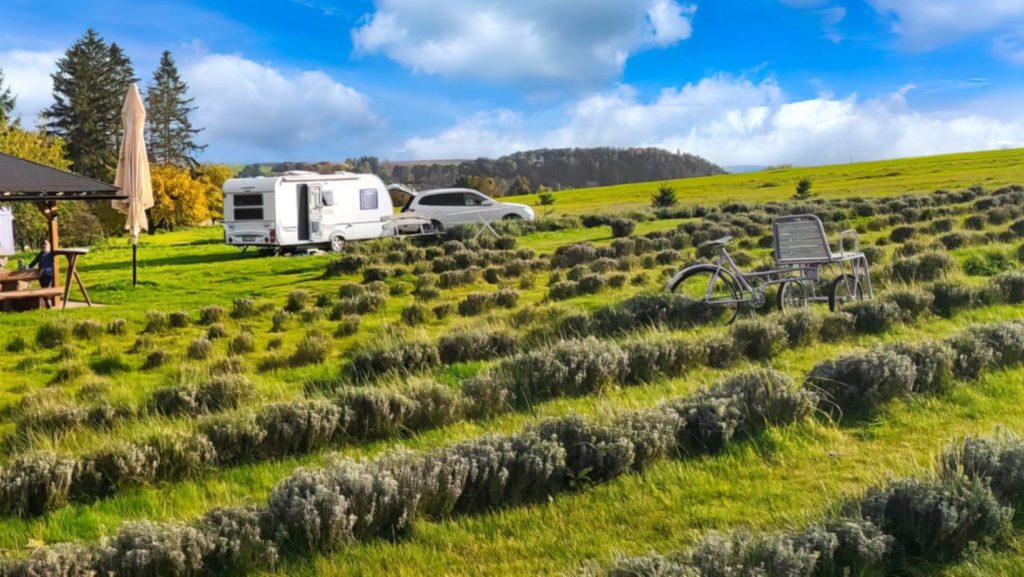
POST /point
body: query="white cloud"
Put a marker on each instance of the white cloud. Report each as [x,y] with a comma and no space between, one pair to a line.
[539,41]
[488,134]
[248,109]
[28,75]
[831,16]
[735,121]
[252,111]
[929,24]
[670,22]
[830,20]
[1010,47]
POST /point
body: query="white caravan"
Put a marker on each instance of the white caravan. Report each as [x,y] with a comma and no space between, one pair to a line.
[302,209]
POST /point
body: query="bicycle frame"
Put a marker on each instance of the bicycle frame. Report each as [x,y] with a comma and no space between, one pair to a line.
[751,285]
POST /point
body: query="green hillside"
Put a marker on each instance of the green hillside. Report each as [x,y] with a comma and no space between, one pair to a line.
[865,179]
[387,411]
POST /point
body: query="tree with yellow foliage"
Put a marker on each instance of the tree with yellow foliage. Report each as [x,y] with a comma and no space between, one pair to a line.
[35,146]
[214,176]
[484,184]
[79,225]
[178,198]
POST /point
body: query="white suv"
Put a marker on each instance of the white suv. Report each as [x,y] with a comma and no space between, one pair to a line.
[453,206]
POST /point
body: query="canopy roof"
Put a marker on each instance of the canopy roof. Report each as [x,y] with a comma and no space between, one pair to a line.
[23,180]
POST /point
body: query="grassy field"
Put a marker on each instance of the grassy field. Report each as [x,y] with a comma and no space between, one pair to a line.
[864,179]
[781,479]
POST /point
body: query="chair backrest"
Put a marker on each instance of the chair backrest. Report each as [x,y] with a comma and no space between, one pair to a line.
[800,238]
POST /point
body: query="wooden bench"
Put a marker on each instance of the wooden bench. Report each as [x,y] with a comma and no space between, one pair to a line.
[28,299]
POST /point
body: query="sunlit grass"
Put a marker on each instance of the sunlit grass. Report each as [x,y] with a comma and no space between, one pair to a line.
[782,479]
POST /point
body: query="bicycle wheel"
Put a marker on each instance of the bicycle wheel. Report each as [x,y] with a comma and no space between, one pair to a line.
[792,295]
[715,288]
[845,289]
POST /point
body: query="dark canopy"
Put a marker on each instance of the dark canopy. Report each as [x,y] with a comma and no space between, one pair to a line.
[23,180]
[26,181]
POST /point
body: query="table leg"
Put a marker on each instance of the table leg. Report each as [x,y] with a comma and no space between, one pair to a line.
[67,279]
[85,293]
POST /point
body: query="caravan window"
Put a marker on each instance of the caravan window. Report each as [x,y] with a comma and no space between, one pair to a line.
[248,200]
[248,206]
[368,199]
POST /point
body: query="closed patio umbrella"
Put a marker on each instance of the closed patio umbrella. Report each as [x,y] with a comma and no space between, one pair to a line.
[133,172]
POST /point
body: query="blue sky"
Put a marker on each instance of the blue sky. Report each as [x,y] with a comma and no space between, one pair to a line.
[740,82]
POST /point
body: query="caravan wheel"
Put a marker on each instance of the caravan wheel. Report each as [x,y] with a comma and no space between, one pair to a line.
[337,243]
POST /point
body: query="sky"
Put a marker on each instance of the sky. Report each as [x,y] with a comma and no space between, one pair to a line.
[740,82]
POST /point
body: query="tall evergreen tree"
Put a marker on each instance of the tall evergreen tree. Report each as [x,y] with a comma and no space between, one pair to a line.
[88,91]
[121,76]
[170,137]
[7,101]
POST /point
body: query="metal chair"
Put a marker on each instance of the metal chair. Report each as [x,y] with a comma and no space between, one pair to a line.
[801,242]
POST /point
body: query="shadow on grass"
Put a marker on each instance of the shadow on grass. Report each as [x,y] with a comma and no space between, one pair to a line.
[170,261]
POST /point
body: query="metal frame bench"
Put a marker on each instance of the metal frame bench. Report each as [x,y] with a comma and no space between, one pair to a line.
[801,243]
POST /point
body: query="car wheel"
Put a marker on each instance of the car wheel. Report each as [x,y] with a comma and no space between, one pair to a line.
[337,243]
[512,216]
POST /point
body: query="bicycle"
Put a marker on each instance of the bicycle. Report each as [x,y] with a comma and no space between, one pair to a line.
[801,252]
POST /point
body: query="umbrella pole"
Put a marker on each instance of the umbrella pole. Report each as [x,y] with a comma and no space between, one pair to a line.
[135,263]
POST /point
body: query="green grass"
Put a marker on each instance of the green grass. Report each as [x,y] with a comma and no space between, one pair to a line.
[865,179]
[780,480]
[250,484]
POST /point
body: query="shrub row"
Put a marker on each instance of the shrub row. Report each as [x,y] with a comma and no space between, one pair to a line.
[757,338]
[36,483]
[463,345]
[894,528]
[224,391]
[856,384]
[852,385]
[478,303]
[220,393]
[638,312]
[322,509]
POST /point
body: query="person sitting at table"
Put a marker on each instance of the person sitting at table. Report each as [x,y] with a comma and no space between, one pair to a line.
[44,260]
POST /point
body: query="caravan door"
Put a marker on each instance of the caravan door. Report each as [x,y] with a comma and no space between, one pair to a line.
[316,206]
[302,212]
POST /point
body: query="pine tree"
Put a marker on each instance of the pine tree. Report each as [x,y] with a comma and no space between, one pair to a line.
[803,189]
[7,101]
[88,91]
[665,198]
[169,132]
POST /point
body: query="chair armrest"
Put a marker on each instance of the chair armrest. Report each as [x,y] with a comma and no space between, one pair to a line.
[848,233]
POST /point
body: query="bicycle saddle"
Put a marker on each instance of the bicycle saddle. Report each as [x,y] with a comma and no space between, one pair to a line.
[719,241]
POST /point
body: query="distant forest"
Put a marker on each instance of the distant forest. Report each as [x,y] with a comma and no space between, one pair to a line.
[522,172]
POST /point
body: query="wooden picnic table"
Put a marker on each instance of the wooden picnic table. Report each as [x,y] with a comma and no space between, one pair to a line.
[12,279]
[11,283]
